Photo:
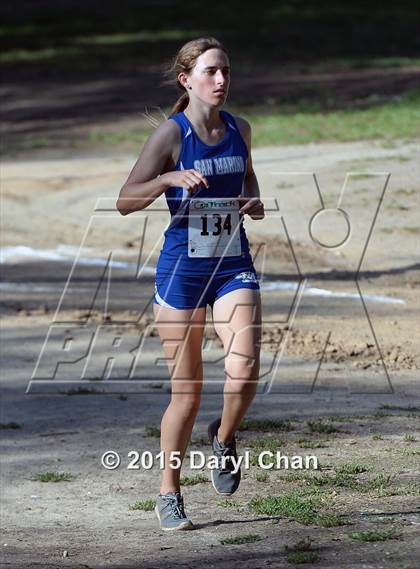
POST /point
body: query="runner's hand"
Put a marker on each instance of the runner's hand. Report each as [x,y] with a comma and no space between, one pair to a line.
[191,180]
[252,206]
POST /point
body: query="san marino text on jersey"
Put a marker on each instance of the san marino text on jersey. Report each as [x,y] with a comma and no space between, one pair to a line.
[222,165]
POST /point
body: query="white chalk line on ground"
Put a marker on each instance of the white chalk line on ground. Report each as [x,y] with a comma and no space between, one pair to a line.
[68,253]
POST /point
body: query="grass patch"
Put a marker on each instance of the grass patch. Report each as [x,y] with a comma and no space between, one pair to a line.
[352,468]
[375,535]
[261,477]
[240,539]
[410,451]
[228,503]
[11,425]
[52,477]
[301,557]
[295,505]
[144,505]
[344,477]
[330,520]
[396,118]
[377,438]
[265,425]
[293,477]
[320,427]
[152,431]
[381,481]
[381,484]
[307,443]
[305,122]
[192,480]
[409,438]
[340,480]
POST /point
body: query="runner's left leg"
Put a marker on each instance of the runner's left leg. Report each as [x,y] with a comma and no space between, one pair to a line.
[237,321]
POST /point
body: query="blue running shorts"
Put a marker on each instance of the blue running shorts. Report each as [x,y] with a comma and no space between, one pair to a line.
[188,292]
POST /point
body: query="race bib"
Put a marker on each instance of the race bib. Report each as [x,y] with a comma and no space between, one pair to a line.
[213,228]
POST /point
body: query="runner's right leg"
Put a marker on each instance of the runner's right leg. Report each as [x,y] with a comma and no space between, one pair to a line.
[181,333]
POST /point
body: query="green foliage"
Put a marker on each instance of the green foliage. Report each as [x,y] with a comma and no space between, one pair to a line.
[152,431]
[320,427]
[387,121]
[261,477]
[228,503]
[352,468]
[409,438]
[192,480]
[52,477]
[295,505]
[144,505]
[301,557]
[375,535]
[330,520]
[307,443]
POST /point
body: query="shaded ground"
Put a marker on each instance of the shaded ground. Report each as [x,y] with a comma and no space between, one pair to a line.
[62,115]
[72,78]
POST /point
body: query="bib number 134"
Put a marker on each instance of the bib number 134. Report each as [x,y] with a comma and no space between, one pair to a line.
[213,228]
[220,224]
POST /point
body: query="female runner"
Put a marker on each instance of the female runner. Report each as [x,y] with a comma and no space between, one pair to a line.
[201,159]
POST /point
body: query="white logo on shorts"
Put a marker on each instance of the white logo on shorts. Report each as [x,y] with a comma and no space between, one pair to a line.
[247,277]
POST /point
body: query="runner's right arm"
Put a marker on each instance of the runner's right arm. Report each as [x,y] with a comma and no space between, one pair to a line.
[150,177]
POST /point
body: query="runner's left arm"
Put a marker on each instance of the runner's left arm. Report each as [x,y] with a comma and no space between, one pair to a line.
[250,198]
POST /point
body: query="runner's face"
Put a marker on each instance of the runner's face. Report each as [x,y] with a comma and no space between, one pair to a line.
[210,77]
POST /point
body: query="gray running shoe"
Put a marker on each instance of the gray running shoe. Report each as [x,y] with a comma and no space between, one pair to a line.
[170,512]
[224,481]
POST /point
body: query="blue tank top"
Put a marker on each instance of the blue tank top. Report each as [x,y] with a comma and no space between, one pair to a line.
[224,166]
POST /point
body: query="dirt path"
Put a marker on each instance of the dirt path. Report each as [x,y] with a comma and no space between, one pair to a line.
[89,516]
[369,413]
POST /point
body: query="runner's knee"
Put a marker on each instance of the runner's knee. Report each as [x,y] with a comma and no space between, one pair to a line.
[187,404]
